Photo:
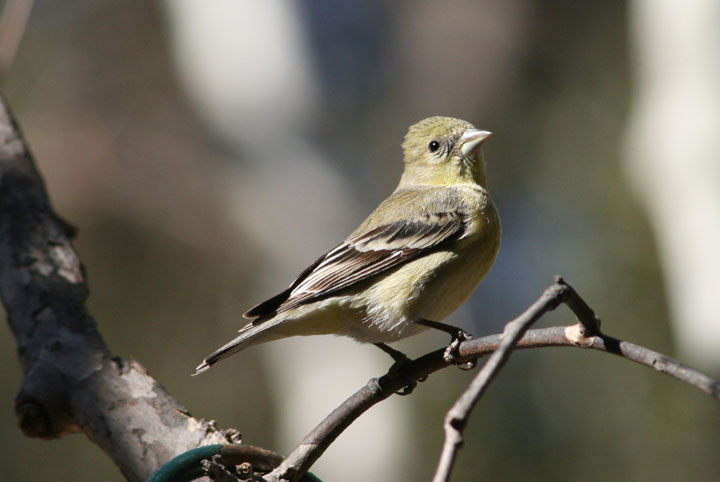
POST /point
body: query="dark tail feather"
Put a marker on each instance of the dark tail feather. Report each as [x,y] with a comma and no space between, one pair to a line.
[249,335]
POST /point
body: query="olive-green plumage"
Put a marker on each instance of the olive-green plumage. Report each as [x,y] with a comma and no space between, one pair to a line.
[418,256]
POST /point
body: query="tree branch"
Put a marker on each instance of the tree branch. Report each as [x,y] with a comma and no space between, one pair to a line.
[586,334]
[457,417]
[72,383]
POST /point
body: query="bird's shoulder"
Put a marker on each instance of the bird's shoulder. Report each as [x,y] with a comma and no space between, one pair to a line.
[424,204]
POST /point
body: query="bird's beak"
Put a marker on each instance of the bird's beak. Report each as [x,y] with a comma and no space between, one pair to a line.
[471,140]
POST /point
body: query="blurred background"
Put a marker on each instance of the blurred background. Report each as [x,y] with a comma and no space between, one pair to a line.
[209,151]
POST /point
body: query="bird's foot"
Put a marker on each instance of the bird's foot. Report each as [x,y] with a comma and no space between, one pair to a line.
[452,352]
[401,359]
[459,335]
[394,372]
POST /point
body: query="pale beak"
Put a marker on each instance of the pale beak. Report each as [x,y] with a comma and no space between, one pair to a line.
[471,140]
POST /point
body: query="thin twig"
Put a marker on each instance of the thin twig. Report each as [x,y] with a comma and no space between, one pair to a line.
[376,390]
[458,415]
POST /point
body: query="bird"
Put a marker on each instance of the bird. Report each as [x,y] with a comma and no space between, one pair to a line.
[415,259]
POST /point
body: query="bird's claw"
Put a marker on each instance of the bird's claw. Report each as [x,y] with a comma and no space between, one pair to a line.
[401,359]
[452,354]
[394,372]
[407,389]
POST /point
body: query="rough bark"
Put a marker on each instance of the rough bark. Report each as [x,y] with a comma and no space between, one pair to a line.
[72,382]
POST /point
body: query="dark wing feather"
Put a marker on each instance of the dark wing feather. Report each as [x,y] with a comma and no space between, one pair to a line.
[361,258]
[271,305]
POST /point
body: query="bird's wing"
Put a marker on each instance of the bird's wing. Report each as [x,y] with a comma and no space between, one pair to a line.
[362,257]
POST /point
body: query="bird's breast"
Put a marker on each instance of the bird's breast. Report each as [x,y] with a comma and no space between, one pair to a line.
[461,269]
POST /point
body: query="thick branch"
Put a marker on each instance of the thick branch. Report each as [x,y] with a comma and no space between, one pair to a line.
[72,383]
[320,438]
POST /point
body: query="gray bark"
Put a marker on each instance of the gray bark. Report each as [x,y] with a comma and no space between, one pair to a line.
[72,382]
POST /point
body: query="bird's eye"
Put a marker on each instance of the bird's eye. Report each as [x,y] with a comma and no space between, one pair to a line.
[434,146]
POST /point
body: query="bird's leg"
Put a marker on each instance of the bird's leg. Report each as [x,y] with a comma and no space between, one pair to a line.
[400,360]
[458,336]
[396,355]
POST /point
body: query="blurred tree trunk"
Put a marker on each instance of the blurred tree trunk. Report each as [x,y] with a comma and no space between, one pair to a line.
[673,156]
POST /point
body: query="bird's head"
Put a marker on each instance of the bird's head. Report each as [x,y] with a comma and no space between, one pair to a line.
[442,151]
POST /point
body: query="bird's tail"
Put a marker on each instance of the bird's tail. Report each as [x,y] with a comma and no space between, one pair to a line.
[249,335]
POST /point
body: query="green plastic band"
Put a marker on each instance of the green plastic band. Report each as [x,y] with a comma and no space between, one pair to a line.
[185,466]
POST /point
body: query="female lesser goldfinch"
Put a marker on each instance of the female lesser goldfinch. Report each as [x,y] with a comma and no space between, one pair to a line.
[410,264]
